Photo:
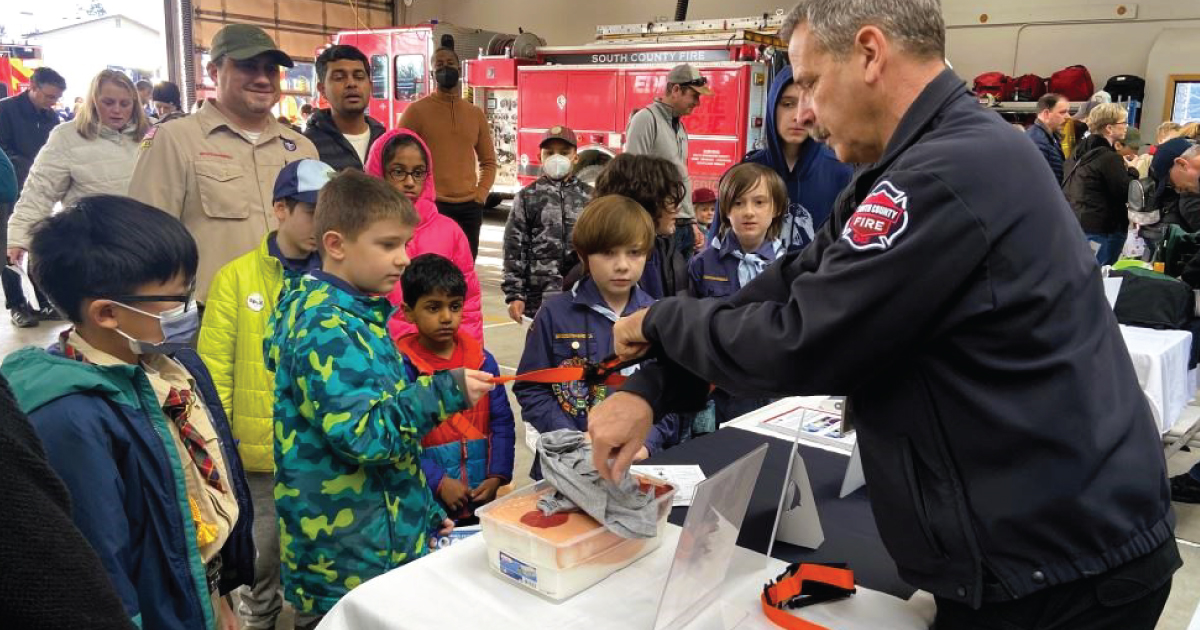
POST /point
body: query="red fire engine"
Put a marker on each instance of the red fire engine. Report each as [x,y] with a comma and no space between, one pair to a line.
[595,88]
[17,62]
[525,87]
[400,60]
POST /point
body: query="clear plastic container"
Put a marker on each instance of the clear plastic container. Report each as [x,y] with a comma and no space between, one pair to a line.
[562,560]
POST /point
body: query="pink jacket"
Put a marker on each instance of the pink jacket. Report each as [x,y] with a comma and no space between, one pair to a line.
[435,234]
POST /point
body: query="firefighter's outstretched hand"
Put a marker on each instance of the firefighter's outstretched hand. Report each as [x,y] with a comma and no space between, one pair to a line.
[618,427]
[629,342]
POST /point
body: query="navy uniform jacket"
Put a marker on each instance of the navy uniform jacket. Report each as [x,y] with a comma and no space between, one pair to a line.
[569,329]
[714,272]
[1005,440]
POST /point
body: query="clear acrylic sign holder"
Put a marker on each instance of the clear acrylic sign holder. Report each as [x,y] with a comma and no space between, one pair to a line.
[706,547]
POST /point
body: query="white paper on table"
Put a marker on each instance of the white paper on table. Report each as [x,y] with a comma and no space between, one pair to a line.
[683,477]
[812,426]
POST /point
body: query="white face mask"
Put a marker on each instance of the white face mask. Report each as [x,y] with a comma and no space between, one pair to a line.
[556,166]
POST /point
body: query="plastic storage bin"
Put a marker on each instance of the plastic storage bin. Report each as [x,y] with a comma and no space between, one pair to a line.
[562,560]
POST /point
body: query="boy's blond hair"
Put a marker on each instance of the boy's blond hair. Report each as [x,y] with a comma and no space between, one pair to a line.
[609,222]
[352,201]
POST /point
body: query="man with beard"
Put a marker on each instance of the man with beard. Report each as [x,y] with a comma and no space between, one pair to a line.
[344,133]
[215,171]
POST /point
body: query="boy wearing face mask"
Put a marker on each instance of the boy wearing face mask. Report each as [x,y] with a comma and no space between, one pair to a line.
[129,415]
[537,238]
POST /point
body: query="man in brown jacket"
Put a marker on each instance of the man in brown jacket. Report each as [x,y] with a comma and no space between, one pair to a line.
[459,137]
[215,171]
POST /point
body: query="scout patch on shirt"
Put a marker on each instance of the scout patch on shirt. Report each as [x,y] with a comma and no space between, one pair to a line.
[148,139]
[575,398]
[289,145]
[879,220]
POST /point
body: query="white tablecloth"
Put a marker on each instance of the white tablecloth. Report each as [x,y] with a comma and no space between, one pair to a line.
[1160,358]
[454,588]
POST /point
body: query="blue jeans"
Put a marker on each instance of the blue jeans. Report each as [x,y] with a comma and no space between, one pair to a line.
[1110,246]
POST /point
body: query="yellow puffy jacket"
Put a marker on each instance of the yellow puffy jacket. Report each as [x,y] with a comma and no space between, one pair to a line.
[240,302]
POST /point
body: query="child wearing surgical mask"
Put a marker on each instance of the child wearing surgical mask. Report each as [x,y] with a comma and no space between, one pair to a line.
[129,416]
[537,238]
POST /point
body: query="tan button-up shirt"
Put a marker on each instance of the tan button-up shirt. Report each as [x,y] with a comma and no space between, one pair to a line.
[211,176]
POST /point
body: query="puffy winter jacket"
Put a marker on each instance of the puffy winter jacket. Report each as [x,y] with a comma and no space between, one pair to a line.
[435,234]
[473,445]
[240,302]
[349,491]
[1050,145]
[69,167]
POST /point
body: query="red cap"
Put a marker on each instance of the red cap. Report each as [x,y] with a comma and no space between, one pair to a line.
[704,195]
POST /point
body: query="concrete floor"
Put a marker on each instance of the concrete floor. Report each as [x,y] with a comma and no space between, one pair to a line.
[505,340]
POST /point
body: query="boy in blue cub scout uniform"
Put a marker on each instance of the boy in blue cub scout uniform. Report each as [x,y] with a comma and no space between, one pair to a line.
[613,238]
[752,207]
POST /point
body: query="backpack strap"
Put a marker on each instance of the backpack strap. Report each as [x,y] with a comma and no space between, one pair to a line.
[1086,158]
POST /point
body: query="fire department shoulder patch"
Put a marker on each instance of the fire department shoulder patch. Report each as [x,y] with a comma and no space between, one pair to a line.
[879,220]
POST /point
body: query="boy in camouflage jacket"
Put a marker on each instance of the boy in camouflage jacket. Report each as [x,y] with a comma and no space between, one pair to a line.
[351,499]
[537,238]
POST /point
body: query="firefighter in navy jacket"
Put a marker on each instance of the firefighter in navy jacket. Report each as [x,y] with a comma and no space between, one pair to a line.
[1011,457]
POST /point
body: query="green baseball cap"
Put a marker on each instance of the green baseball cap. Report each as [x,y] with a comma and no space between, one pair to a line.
[243,41]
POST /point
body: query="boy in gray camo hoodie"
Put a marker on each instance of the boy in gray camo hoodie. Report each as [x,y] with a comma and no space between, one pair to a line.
[537,239]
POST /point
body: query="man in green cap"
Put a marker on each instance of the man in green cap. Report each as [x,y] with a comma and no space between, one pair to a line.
[215,171]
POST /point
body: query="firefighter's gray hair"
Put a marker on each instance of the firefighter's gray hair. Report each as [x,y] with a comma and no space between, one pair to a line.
[916,24]
[1193,151]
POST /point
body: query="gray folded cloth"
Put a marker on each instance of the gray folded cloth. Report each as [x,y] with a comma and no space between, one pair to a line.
[567,466]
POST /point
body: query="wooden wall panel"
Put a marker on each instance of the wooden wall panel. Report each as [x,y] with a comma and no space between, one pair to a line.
[298,26]
[301,11]
[300,46]
[379,18]
[341,17]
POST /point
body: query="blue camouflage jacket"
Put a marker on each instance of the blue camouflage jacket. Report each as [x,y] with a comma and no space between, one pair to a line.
[349,492]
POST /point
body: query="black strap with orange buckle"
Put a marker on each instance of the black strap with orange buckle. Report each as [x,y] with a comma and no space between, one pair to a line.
[804,585]
[606,372]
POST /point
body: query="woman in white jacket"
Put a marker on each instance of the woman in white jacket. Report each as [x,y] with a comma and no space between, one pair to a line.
[92,154]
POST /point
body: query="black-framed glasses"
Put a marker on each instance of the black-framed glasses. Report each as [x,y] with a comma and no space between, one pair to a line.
[701,82]
[400,174]
[185,299]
